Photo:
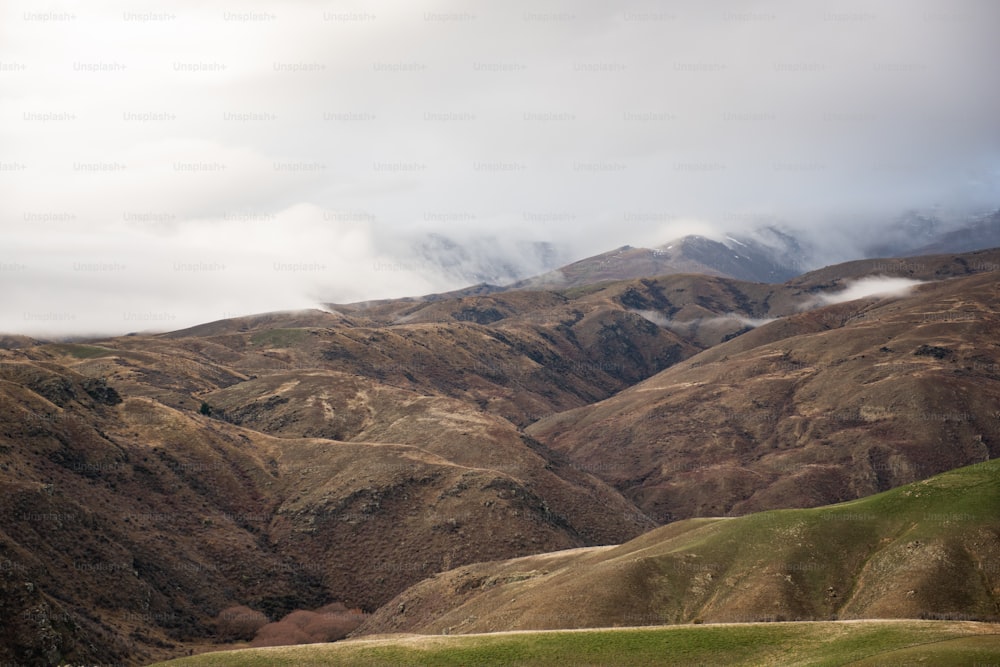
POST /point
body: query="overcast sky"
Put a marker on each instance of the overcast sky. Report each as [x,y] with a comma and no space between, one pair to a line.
[163,164]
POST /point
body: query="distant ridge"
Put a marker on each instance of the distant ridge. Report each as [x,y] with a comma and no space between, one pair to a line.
[739,257]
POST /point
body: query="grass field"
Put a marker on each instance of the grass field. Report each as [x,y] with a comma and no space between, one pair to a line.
[821,643]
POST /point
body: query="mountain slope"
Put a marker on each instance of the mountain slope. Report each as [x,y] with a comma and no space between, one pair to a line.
[982,233]
[344,456]
[744,258]
[770,255]
[934,231]
[700,310]
[128,525]
[828,405]
[928,549]
[539,358]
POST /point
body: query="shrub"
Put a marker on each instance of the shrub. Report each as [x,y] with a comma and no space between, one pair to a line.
[279,634]
[239,622]
[326,624]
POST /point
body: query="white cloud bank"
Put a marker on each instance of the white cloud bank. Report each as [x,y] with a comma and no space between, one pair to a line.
[873,286]
[881,286]
[685,326]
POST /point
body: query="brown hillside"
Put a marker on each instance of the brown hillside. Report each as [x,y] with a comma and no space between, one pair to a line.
[128,525]
[828,405]
[521,370]
[346,456]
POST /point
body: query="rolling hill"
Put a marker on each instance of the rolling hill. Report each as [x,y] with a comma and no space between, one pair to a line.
[929,549]
[128,524]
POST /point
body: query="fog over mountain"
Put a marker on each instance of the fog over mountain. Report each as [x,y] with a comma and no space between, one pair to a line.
[165,166]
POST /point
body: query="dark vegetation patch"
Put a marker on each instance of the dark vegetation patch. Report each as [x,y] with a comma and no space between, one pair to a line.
[933,351]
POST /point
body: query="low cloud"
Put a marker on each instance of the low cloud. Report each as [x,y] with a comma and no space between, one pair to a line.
[752,322]
[685,326]
[156,273]
[656,318]
[320,155]
[881,286]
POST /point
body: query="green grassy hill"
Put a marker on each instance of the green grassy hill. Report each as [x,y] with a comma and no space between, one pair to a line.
[827,643]
[930,549]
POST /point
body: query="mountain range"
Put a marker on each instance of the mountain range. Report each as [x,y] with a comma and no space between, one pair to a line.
[770,252]
[287,461]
